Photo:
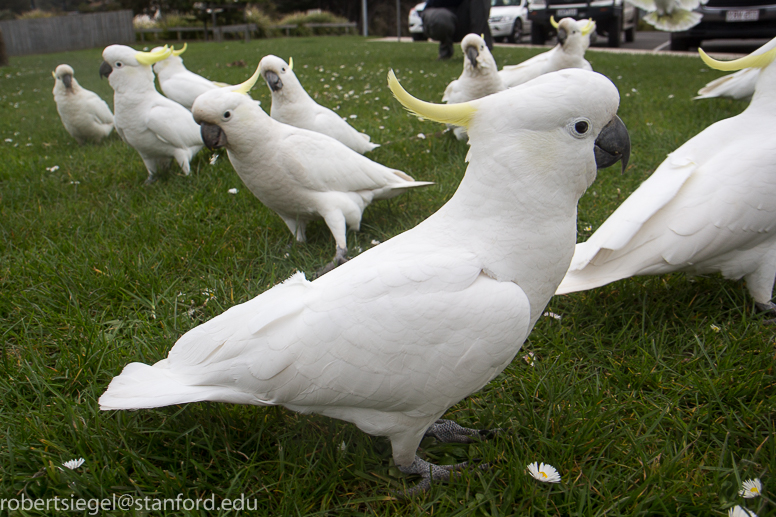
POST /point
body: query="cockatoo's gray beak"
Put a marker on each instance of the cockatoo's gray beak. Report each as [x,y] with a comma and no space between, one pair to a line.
[273,81]
[472,54]
[612,145]
[105,69]
[562,35]
[67,79]
[213,136]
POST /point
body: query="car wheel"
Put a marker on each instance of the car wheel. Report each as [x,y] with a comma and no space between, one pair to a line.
[615,33]
[630,35]
[517,31]
[538,34]
[678,43]
[418,36]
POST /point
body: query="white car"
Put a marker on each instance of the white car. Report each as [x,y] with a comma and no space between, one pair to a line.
[508,20]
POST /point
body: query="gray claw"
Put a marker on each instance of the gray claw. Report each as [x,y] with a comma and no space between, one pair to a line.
[769,309]
[339,258]
[430,473]
[447,431]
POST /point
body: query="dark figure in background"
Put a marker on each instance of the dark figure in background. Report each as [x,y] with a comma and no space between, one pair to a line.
[448,21]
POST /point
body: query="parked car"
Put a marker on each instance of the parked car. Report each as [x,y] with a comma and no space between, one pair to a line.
[612,18]
[729,19]
[508,20]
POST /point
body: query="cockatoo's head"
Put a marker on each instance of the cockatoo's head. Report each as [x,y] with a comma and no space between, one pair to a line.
[573,34]
[476,53]
[279,75]
[64,73]
[566,118]
[125,66]
[173,60]
[218,111]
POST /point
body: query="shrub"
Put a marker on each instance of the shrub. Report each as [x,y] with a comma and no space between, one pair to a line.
[316,16]
[36,13]
[264,23]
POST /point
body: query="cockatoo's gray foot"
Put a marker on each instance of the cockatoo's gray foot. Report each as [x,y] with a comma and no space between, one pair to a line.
[430,473]
[339,258]
[150,179]
[769,309]
[447,431]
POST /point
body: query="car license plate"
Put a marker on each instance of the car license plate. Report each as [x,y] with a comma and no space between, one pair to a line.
[744,15]
[567,12]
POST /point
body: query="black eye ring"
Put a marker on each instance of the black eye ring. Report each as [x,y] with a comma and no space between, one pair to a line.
[581,127]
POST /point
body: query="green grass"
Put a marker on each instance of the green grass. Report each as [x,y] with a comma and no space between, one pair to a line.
[652,396]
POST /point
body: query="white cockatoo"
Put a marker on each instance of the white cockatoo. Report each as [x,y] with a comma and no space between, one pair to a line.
[84,114]
[708,208]
[156,127]
[299,174]
[292,105]
[479,78]
[573,41]
[178,83]
[739,85]
[670,15]
[393,338]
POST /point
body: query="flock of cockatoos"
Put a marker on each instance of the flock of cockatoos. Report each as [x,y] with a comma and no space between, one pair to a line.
[392,338]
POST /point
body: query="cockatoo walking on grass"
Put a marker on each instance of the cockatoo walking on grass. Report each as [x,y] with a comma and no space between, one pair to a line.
[479,78]
[670,15]
[301,175]
[84,114]
[292,105]
[156,127]
[573,41]
[709,208]
[393,338]
[178,83]
[739,85]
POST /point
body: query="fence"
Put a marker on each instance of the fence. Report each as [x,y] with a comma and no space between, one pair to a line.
[62,33]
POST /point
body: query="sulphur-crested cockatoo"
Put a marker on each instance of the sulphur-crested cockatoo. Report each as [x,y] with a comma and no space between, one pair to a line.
[156,127]
[300,174]
[479,78]
[573,41]
[84,114]
[739,85]
[708,208]
[178,83]
[292,105]
[393,338]
[670,15]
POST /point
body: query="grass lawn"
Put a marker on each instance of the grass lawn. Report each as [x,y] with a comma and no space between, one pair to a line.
[651,396]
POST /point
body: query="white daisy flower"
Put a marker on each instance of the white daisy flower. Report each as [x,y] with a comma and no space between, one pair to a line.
[73,464]
[53,169]
[751,488]
[544,473]
[738,511]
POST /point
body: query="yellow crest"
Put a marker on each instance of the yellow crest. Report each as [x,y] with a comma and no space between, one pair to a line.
[181,51]
[149,58]
[455,114]
[553,22]
[750,61]
[247,85]
[588,28]
[291,63]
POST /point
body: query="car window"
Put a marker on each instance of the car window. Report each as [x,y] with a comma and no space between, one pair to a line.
[501,3]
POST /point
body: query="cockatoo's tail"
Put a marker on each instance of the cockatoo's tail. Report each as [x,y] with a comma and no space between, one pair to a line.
[753,60]
[455,114]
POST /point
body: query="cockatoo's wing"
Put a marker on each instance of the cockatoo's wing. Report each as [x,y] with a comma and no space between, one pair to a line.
[646,5]
[173,124]
[706,201]
[739,85]
[451,92]
[677,20]
[514,75]
[99,108]
[390,336]
[337,128]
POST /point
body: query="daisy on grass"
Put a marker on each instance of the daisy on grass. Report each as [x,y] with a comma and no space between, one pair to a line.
[73,464]
[751,488]
[738,511]
[544,473]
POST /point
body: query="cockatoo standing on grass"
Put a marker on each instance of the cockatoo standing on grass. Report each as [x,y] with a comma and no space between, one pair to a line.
[479,78]
[709,208]
[739,85]
[300,174]
[84,114]
[393,338]
[292,105]
[573,41]
[156,127]
[670,15]
[178,83]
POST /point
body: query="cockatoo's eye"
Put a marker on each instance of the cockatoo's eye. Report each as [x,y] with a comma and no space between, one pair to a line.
[580,127]
[227,115]
[119,64]
[283,70]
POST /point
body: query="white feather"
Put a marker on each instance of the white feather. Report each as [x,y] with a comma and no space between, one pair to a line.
[292,105]
[84,114]
[738,85]
[158,128]
[179,84]
[710,207]
[670,15]
[391,339]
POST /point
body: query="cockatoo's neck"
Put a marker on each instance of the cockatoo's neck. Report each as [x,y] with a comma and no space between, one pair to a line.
[292,91]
